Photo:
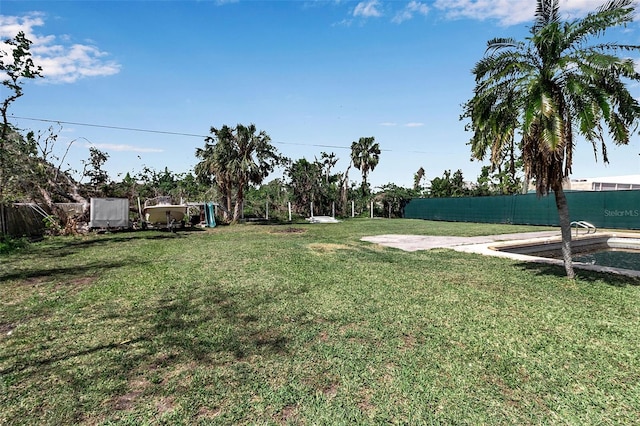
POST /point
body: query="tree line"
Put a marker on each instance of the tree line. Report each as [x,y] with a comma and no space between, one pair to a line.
[545,91]
[232,167]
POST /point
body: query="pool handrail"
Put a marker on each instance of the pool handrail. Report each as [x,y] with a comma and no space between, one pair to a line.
[585,225]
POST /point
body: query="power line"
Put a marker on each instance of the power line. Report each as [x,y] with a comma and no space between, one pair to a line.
[131,129]
[164,132]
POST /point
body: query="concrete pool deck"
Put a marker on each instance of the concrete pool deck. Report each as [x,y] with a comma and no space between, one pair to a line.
[486,245]
[428,242]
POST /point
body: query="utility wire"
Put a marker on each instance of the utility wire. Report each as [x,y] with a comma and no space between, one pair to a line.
[131,129]
[163,132]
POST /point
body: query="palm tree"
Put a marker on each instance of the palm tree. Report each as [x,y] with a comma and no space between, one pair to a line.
[365,155]
[254,158]
[558,84]
[213,169]
[236,158]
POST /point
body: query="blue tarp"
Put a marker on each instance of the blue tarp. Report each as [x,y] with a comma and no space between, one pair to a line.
[210,214]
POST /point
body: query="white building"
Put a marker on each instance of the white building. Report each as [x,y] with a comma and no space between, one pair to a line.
[610,183]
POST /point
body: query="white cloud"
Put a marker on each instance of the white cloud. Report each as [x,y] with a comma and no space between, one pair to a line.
[368,9]
[122,147]
[61,61]
[388,124]
[414,125]
[343,23]
[511,12]
[414,7]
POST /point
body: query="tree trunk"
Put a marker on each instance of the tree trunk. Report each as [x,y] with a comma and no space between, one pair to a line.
[227,214]
[239,205]
[343,190]
[565,229]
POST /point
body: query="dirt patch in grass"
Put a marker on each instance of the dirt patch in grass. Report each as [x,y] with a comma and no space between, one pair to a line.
[34,281]
[287,415]
[127,401]
[75,285]
[326,248]
[6,329]
[365,405]
[161,360]
[331,391]
[324,336]
[165,404]
[208,413]
[289,231]
[408,342]
[21,290]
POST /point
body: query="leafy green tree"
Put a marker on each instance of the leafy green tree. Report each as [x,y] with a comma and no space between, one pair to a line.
[395,198]
[233,159]
[126,188]
[16,65]
[305,182]
[274,194]
[27,169]
[484,185]
[211,170]
[441,186]
[328,162]
[188,188]
[365,155]
[507,182]
[36,179]
[314,182]
[560,84]
[93,169]
[19,169]
[458,187]
[166,183]
[449,185]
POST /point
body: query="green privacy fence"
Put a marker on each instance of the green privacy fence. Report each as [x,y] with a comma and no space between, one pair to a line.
[604,209]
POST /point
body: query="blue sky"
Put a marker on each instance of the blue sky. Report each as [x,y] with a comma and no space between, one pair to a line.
[315,75]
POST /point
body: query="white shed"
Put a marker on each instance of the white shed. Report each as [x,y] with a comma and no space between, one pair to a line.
[109,213]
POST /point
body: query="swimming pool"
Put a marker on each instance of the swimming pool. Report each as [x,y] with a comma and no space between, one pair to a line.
[618,253]
[615,258]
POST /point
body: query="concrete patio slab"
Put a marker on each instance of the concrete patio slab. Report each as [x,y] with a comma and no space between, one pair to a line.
[428,242]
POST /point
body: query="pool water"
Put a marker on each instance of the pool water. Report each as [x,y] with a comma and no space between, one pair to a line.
[615,251]
[614,258]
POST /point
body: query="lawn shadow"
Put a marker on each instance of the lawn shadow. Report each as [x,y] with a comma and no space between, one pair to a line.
[66,272]
[233,329]
[616,280]
[45,362]
[65,247]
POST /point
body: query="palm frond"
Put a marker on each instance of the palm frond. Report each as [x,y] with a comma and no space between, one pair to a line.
[612,14]
[547,11]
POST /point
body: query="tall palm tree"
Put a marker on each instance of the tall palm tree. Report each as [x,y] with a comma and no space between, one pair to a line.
[212,168]
[552,86]
[365,155]
[235,158]
[254,158]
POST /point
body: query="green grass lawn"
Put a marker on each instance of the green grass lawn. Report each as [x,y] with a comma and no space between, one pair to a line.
[306,324]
